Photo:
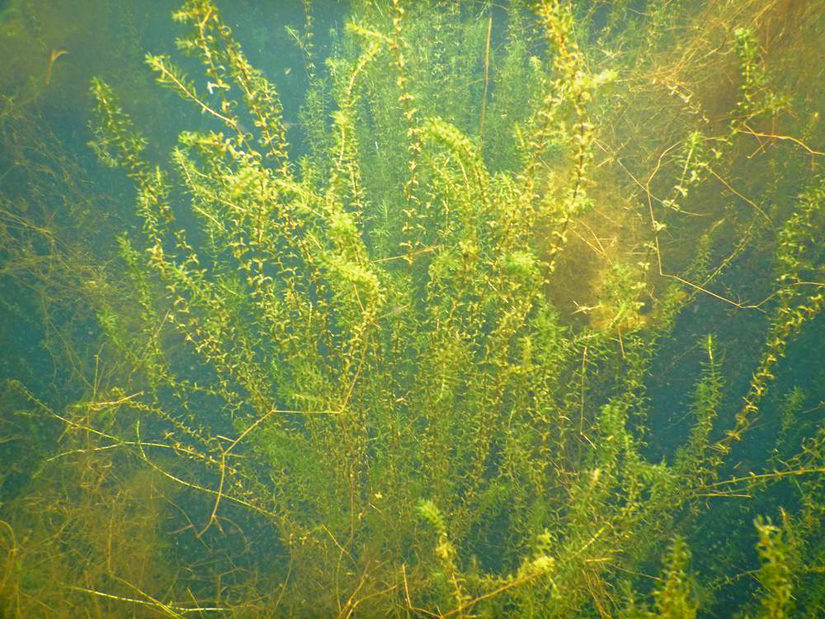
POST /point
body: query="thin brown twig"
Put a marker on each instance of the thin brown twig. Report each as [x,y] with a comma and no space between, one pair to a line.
[739,195]
[790,138]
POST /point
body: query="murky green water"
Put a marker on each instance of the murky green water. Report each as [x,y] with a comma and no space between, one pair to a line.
[420,309]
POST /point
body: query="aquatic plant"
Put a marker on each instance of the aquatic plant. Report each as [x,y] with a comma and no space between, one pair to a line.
[376,355]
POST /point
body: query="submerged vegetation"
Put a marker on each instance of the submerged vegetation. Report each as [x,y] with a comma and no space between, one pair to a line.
[518,315]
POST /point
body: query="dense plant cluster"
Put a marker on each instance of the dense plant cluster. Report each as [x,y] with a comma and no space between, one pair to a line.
[420,362]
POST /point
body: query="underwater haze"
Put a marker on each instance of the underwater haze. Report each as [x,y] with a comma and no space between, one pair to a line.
[412,308]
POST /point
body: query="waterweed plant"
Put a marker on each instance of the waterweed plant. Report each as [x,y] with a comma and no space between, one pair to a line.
[357,358]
